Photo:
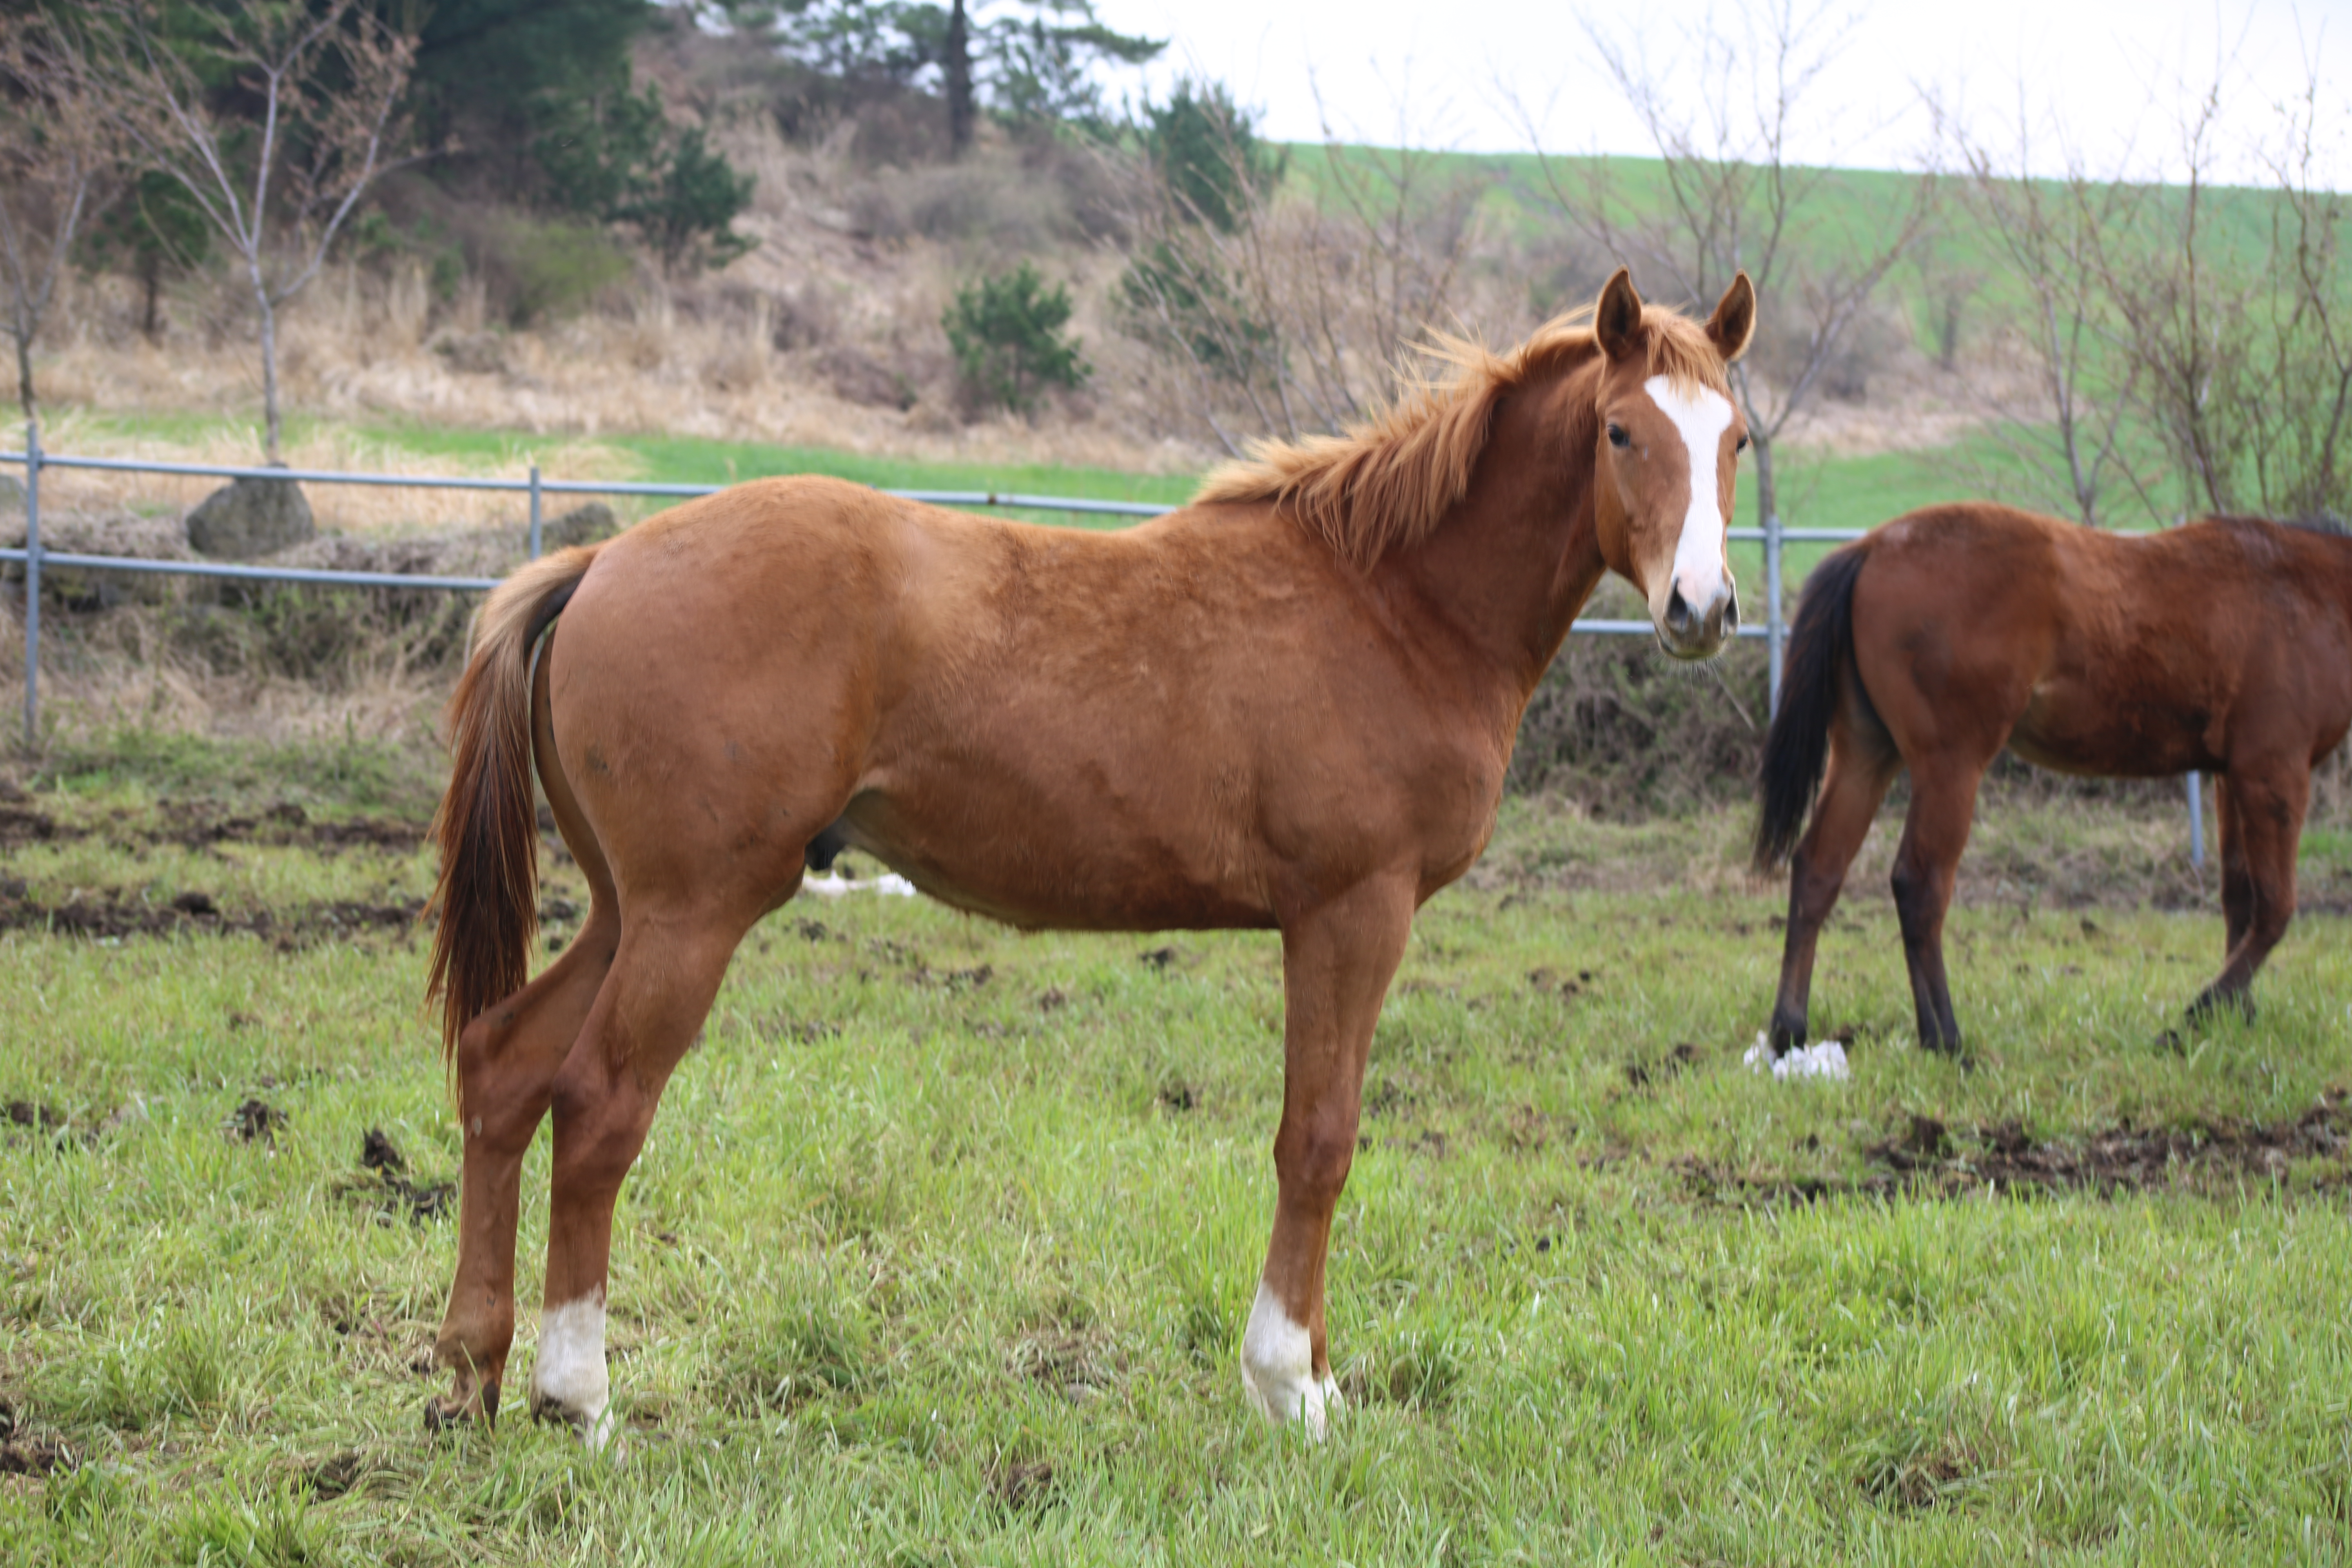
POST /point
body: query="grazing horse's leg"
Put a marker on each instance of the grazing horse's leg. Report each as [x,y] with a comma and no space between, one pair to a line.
[507,1061]
[1943,802]
[2264,804]
[2237,880]
[663,981]
[1857,780]
[1336,961]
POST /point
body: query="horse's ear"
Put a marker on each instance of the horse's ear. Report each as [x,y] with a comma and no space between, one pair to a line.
[1734,322]
[1617,319]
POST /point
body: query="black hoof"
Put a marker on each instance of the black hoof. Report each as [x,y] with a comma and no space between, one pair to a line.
[448,1413]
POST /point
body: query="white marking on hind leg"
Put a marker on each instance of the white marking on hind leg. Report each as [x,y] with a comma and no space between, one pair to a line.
[1278,1367]
[568,1380]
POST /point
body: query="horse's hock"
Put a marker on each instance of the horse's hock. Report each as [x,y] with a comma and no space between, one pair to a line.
[251,518]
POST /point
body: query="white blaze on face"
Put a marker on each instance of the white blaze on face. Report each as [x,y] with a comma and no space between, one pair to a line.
[1700,418]
[568,1375]
[1278,1367]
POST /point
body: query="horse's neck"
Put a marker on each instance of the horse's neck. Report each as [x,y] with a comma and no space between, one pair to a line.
[1518,557]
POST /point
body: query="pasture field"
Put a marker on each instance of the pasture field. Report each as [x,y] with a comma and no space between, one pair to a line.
[943,1241]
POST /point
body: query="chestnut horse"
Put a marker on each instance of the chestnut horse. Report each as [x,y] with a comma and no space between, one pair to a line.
[1940,638]
[1288,705]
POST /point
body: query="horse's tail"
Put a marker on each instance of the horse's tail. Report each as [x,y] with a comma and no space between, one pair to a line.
[1796,751]
[488,828]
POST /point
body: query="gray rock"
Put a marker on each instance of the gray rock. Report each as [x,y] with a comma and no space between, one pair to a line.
[585,524]
[251,518]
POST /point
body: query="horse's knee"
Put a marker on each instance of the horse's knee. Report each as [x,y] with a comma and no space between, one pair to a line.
[1814,884]
[1916,887]
[1313,1161]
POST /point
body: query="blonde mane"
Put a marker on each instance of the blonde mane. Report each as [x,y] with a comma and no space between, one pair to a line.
[1387,482]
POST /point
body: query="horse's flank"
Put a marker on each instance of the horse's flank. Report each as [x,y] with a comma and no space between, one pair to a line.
[1387,483]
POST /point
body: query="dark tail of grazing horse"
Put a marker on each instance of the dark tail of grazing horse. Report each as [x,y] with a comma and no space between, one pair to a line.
[1820,646]
[487,828]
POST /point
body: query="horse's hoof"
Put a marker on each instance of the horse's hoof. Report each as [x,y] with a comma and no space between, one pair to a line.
[2173,1041]
[452,1412]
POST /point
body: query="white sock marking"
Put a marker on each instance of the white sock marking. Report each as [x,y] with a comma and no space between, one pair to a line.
[570,1371]
[1278,1367]
[1826,1059]
[1700,420]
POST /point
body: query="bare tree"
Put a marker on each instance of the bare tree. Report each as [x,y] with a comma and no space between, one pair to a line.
[56,172]
[1722,117]
[322,84]
[2053,233]
[1279,302]
[2236,309]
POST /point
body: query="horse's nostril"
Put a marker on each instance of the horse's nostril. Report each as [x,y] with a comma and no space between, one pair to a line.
[1678,611]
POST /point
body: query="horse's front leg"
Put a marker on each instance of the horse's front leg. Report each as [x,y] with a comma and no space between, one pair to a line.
[1336,961]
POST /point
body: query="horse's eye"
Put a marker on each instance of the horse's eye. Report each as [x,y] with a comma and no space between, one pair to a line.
[1617,437]
[1740,445]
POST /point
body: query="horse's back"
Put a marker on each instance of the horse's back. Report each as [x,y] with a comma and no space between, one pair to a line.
[2095,651]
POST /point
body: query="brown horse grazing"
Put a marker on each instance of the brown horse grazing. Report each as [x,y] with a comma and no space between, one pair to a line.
[1288,705]
[2223,646]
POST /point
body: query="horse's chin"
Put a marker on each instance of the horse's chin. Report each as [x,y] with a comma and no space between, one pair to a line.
[1697,650]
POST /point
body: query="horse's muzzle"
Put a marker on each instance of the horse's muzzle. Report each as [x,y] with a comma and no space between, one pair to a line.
[1687,631]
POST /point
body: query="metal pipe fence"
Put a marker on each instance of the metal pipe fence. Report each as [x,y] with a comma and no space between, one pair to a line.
[1773,536]
[536,487]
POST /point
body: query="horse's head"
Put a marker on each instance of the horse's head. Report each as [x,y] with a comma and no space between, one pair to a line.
[1669,445]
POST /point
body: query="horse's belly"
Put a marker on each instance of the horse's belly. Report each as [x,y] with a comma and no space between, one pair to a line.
[1037,872]
[2112,733]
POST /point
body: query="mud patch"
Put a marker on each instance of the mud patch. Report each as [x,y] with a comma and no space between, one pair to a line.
[113,915]
[28,1114]
[1022,1488]
[198,825]
[21,824]
[253,1122]
[1642,1075]
[22,1453]
[385,1180]
[1927,1159]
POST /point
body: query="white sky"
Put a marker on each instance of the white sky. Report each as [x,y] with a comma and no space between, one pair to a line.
[2112,75]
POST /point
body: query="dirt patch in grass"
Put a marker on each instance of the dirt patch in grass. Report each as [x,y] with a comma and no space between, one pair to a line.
[22,1453]
[1928,1159]
[1022,1488]
[386,1180]
[199,825]
[117,913]
[21,824]
[255,1122]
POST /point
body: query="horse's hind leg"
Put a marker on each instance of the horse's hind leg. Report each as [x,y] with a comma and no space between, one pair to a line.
[2237,881]
[662,983]
[507,1061]
[2263,807]
[1335,966]
[1859,773]
[1943,803]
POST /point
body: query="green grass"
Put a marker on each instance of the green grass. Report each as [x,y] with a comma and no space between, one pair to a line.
[924,1270]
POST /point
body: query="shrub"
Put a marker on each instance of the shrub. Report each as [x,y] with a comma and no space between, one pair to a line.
[1006,331]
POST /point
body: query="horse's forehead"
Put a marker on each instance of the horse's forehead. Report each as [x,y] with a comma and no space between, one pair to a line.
[1700,414]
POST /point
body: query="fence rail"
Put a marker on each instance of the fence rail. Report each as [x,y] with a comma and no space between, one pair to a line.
[1772,536]
[535,487]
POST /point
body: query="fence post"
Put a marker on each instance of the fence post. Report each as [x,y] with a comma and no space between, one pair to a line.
[2196,819]
[1774,633]
[534,510]
[32,582]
